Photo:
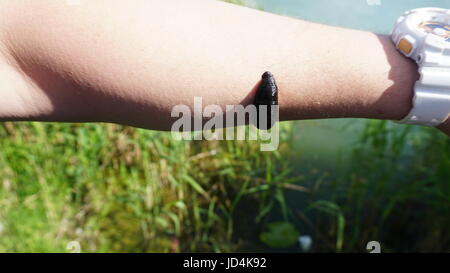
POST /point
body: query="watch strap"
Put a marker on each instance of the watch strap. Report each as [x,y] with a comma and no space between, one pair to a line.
[431,102]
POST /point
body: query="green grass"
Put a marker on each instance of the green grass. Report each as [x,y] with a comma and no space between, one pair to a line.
[119,189]
[398,189]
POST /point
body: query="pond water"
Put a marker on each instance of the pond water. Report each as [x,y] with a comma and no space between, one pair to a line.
[373,15]
[322,143]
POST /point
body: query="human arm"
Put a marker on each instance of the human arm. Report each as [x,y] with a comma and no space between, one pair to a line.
[130,62]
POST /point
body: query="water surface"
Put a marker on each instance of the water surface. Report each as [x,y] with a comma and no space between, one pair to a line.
[360,14]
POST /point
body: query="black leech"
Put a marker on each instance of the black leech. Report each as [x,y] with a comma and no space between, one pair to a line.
[267,94]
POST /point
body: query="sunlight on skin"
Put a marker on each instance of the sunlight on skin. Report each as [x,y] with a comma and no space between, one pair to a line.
[132,62]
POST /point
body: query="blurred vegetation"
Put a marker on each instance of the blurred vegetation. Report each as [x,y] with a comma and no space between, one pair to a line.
[113,188]
[119,189]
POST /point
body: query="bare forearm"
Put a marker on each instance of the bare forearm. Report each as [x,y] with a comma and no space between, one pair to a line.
[131,61]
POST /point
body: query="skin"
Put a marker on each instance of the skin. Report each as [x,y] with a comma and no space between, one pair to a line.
[130,62]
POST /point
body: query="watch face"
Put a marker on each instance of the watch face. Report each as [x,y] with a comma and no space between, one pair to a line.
[438,28]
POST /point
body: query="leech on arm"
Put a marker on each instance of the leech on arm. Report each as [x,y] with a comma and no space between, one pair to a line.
[267,95]
[131,62]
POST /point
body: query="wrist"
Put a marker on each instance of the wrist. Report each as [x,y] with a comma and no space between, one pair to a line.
[396,78]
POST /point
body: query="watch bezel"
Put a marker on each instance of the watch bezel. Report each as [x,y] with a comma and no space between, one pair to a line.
[407,28]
